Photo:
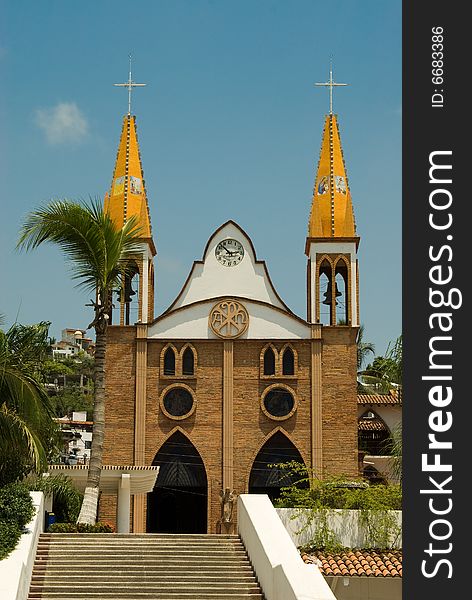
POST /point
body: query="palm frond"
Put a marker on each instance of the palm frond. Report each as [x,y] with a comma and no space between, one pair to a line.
[16,436]
[99,253]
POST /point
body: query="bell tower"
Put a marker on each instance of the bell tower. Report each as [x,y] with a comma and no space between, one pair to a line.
[127,198]
[331,244]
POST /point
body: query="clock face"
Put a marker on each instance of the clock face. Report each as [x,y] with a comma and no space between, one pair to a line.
[229,252]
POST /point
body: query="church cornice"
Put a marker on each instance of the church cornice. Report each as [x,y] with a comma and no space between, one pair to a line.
[333,239]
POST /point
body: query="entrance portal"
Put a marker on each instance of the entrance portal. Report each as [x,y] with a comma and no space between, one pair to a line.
[266,479]
[178,503]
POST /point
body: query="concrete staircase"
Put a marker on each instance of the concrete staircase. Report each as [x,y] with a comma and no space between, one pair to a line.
[147,566]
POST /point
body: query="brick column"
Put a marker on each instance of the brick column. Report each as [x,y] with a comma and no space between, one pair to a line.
[139,500]
[316,402]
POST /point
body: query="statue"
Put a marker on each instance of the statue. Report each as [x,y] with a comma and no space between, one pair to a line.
[227,499]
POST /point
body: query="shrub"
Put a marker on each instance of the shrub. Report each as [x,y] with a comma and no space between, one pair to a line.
[16,505]
[16,510]
[80,528]
[9,535]
[67,499]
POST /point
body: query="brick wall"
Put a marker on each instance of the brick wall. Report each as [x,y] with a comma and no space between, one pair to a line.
[251,426]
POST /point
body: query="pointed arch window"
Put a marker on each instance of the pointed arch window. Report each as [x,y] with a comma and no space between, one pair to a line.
[288,362]
[188,362]
[269,362]
[169,362]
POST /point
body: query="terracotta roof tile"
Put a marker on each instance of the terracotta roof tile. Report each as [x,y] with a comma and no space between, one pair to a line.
[391,398]
[358,563]
[375,424]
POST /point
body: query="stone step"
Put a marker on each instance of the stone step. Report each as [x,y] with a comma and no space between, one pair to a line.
[87,591]
[137,536]
[140,548]
[123,561]
[141,577]
[139,544]
[142,567]
[177,567]
[144,554]
[168,595]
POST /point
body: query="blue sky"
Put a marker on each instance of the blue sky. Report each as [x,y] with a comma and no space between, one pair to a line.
[229,126]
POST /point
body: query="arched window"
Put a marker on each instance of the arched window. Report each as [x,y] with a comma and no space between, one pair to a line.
[169,362]
[188,362]
[288,362]
[269,362]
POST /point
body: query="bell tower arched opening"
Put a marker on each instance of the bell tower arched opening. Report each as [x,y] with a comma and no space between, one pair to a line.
[324,301]
[178,503]
[342,296]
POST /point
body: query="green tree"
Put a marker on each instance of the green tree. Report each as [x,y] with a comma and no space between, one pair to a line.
[71,399]
[28,434]
[363,348]
[384,375]
[99,254]
[386,372]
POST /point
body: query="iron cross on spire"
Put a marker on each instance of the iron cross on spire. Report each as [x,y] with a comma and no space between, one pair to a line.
[330,84]
[130,85]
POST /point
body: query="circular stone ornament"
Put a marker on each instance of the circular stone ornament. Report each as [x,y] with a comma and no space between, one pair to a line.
[228,319]
[177,402]
[278,402]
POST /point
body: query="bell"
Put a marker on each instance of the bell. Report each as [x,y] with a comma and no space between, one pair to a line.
[128,290]
[327,294]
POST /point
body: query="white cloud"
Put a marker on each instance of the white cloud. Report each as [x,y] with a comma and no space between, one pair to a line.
[62,123]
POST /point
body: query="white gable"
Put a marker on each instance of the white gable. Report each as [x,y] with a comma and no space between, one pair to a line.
[209,278]
[265,322]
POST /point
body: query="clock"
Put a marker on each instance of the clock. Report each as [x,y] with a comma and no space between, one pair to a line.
[229,252]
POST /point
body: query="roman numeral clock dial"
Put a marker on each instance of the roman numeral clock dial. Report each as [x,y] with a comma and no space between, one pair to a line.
[229,252]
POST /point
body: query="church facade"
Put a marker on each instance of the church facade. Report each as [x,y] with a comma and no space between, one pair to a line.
[228,381]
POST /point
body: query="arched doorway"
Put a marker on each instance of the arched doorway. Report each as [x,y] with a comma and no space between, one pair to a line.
[265,479]
[178,503]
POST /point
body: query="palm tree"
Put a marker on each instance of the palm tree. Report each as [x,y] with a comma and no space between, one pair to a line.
[28,433]
[99,254]
[363,348]
[386,372]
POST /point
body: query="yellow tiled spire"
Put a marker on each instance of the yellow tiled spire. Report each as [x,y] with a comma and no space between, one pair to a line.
[331,215]
[127,196]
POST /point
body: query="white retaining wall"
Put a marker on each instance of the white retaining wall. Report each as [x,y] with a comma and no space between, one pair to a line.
[17,568]
[344,524]
[279,568]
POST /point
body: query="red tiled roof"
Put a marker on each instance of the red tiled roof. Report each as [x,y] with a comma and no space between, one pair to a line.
[374,424]
[391,398]
[357,563]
